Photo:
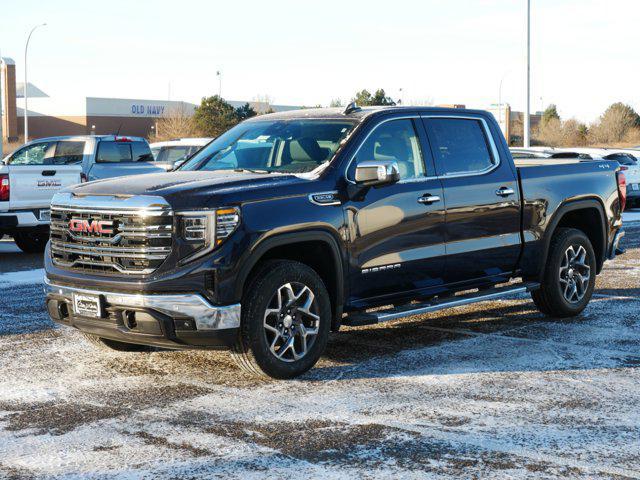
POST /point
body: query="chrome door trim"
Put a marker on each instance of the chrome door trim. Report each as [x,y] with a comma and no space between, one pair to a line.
[485,126]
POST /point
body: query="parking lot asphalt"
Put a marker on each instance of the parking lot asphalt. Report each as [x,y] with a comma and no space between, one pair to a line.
[487,390]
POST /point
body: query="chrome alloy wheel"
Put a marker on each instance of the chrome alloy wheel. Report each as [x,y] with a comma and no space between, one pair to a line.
[574,273]
[291,322]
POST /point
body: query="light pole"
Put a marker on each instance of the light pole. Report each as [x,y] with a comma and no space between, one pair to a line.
[504,75]
[26,83]
[1,117]
[219,74]
[527,120]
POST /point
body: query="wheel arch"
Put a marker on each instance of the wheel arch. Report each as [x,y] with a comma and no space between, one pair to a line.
[579,214]
[310,248]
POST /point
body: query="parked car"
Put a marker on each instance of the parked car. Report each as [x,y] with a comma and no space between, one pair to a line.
[629,159]
[171,153]
[30,176]
[292,224]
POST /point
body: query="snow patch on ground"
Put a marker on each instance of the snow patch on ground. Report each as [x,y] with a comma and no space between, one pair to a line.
[23,277]
[631,216]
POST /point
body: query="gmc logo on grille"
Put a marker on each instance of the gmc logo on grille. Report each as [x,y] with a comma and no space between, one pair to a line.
[90,226]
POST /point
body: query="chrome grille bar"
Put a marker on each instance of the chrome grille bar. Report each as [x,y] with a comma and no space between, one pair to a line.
[136,240]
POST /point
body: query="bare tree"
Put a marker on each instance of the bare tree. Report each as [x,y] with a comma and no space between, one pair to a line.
[176,123]
[614,125]
[262,104]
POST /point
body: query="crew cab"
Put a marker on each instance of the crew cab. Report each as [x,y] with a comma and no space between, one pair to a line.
[30,176]
[291,225]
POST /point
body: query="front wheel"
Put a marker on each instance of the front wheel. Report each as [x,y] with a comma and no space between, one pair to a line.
[570,275]
[31,241]
[286,316]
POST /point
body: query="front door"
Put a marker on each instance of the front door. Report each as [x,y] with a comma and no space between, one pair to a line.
[482,199]
[396,231]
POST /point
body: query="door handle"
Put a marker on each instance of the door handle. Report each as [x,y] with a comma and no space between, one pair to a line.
[504,192]
[48,173]
[428,199]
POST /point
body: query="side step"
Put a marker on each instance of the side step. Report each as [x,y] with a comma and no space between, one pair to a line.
[358,319]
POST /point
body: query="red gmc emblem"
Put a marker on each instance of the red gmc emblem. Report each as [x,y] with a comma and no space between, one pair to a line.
[90,226]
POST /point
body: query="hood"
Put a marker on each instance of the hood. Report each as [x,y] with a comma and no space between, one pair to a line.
[193,189]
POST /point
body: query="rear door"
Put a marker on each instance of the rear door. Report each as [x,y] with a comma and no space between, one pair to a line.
[36,172]
[481,194]
[122,157]
[397,235]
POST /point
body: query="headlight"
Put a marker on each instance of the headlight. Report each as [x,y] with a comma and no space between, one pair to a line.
[205,230]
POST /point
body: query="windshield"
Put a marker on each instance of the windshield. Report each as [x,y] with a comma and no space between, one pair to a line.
[292,146]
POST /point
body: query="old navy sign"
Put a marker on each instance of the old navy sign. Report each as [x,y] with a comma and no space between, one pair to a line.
[151,110]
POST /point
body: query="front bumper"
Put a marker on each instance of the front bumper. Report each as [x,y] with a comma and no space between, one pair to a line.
[164,320]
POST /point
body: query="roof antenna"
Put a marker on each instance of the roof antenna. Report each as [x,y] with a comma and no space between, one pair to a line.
[118,131]
[352,107]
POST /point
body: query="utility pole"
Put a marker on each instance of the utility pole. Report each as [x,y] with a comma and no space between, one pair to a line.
[527,113]
[26,83]
[1,111]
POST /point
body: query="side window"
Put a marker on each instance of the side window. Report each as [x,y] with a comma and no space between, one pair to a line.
[459,145]
[141,152]
[395,140]
[113,152]
[32,155]
[68,153]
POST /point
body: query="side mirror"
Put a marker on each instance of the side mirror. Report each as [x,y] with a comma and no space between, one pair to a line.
[374,173]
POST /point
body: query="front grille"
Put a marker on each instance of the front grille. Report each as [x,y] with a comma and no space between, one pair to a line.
[133,242]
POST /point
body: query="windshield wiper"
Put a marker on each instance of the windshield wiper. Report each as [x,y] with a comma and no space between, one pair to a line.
[251,170]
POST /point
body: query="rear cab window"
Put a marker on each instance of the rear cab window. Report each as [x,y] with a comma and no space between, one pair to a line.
[460,145]
[122,151]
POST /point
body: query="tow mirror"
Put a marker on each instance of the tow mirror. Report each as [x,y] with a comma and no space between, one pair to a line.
[374,173]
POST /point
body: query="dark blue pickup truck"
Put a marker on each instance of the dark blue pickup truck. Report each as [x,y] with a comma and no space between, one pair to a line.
[292,224]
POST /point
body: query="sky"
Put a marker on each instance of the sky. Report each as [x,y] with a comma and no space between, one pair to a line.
[584,53]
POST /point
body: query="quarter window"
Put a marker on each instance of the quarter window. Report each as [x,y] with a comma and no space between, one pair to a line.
[397,141]
[459,145]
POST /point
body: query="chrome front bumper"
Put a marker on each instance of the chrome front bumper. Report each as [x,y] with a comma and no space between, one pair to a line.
[207,317]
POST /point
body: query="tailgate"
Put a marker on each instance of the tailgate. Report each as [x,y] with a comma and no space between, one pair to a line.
[33,186]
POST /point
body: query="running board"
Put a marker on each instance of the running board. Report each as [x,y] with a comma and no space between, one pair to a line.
[358,319]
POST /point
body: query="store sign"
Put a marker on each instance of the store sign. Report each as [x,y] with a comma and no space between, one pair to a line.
[150,110]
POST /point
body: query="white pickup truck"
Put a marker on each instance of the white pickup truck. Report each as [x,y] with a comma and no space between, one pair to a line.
[31,175]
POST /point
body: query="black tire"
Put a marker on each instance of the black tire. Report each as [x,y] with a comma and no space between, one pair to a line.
[253,349]
[31,241]
[106,344]
[551,298]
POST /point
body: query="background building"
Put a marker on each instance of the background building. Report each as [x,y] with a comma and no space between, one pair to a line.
[50,116]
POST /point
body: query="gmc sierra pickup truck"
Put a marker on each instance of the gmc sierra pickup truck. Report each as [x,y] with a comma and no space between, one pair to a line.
[290,225]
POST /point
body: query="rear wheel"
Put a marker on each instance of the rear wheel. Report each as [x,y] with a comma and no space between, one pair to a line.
[31,241]
[286,316]
[569,277]
[107,344]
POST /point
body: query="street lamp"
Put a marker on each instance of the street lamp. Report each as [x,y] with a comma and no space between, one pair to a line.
[527,124]
[26,94]
[1,117]
[219,74]
[504,75]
